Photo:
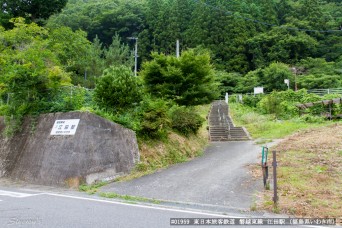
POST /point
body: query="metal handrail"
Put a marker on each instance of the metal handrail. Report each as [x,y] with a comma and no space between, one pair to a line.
[226,122]
[222,117]
[228,126]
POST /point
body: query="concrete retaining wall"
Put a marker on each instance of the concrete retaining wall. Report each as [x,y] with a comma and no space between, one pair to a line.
[100,150]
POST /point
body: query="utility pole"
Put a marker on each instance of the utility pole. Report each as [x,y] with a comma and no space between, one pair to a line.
[177,49]
[295,71]
[135,55]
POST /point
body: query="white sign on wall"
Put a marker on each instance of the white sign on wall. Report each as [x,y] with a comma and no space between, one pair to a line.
[65,127]
[258,90]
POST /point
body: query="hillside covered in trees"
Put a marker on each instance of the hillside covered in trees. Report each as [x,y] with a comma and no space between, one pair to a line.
[251,42]
[227,46]
[244,36]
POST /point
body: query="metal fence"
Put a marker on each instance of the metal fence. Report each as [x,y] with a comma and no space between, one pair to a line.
[70,95]
[322,92]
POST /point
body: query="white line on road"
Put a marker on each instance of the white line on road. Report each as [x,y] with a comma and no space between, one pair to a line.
[141,206]
[154,207]
[23,195]
[16,194]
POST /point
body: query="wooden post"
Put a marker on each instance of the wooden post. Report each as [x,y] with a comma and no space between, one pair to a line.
[330,111]
[275,197]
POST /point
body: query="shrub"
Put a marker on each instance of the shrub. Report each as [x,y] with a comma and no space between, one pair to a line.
[312,119]
[154,118]
[287,110]
[282,104]
[129,119]
[252,100]
[117,88]
[185,120]
[67,99]
[270,104]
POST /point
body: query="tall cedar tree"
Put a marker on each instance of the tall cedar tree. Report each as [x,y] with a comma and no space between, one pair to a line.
[187,80]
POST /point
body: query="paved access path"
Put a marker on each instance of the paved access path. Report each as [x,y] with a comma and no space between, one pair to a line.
[220,177]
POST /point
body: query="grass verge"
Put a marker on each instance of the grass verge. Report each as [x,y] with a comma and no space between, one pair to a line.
[91,189]
[267,127]
[129,198]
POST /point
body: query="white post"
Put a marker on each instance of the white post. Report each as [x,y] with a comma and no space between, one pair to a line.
[227,98]
[240,98]
[135,54]
[177,49]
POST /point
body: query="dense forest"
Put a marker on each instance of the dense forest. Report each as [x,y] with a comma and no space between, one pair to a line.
[252,42]
[244,36]
[226,46]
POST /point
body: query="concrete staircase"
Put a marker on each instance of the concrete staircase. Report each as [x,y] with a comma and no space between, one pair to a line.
[221,127]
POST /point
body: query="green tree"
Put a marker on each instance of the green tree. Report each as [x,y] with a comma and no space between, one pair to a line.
[320,81]
[28,66]
[154,118]
[317,73]
[95,62]
[271,78]
[280,45]
[72,48]
[102,18]
[274,75]
[30,73]
[117,88]
[283,9]
[228,82]
[188,80]
[312,12]
[34,10]
[223,34]
[118,54]
[242,35]
[249,81]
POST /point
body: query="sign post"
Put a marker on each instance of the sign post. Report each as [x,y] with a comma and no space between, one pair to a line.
[265,167]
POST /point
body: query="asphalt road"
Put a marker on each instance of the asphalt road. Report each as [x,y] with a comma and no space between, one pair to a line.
[20,208]
[220,177]
[53,209]
[214,186]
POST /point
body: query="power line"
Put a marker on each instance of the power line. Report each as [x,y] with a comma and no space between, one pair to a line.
[263,23]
